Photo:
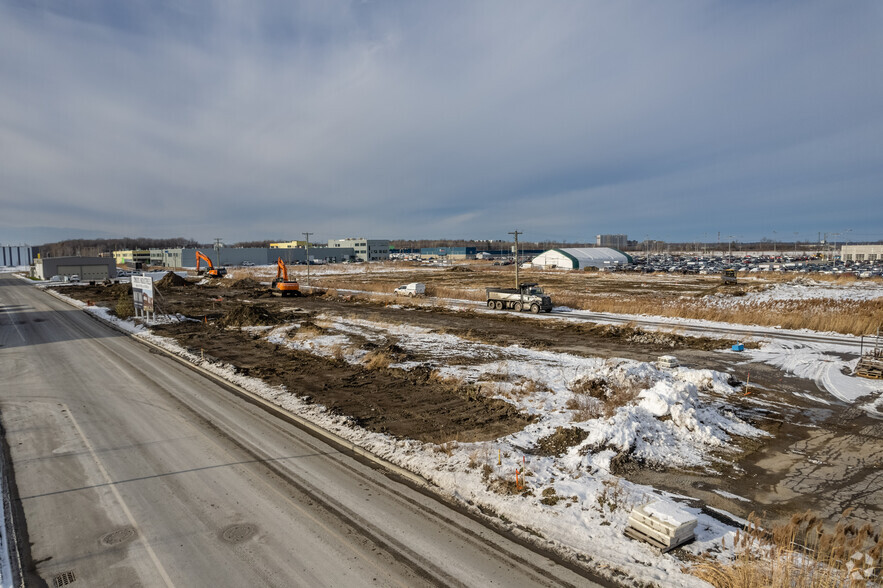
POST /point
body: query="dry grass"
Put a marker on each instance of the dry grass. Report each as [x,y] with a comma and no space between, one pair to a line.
[655,294]
[800,554]
[594,398]
[338,352]
[585,408]
[308,331]
[377,359]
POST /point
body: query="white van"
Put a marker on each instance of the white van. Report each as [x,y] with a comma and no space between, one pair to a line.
[412,289]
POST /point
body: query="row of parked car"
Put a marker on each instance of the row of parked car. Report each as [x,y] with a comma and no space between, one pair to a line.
[716,265]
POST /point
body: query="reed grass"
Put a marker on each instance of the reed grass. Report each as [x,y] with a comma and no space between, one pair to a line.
[799,554]
[377,359]
[655,295]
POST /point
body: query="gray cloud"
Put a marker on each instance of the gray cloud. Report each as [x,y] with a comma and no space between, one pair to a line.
[417,120]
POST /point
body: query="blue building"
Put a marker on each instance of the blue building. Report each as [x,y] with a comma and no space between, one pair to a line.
[448,252]
[16,255]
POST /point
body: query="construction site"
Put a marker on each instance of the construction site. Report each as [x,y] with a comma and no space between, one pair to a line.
[353,352]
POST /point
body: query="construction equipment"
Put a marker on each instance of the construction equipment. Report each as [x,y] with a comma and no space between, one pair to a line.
[870,364]
[728,276]
[210,270]
[282,286]
[528,296]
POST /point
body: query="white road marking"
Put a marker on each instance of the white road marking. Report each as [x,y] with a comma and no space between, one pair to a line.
[113,488]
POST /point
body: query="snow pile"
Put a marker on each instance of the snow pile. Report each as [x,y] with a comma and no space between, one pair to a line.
[675,419]
[802,291]
[824,364]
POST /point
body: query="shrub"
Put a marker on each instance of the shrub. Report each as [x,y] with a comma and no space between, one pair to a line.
[125,307]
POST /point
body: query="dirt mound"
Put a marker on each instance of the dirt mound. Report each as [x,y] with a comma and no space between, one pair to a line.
[245,284]
[460,268]
[117,290]
[248,315]
[172,280]
[559,442]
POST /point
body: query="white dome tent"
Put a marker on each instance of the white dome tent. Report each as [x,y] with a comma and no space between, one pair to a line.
[582,257]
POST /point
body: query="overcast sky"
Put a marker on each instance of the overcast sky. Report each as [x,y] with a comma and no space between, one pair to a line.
[262,120]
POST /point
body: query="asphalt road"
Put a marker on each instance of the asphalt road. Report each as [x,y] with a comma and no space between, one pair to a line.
[132,469]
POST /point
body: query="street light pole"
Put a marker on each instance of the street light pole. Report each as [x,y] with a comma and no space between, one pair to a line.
[516,232]
[307,237]
[218,250]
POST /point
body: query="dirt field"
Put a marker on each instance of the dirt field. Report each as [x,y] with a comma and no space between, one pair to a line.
[825,458]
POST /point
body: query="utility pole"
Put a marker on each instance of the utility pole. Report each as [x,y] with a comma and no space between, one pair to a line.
[516,232]
[307,237]
[218,250]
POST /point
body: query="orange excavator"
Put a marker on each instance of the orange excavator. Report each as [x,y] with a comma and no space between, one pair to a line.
[211,271]
[282,286]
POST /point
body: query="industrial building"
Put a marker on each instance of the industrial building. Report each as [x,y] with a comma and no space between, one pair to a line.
[861,252]
[366,249]
[580,258]
[289,245]
[16,255]
[448,252]
[88,268]
[227,256]
[614,241]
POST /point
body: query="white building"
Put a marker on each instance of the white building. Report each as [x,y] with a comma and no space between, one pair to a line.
[583,257]
[366,249]
[614,241]
[861,252]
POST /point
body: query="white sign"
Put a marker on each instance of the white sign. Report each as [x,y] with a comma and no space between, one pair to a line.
[142,292]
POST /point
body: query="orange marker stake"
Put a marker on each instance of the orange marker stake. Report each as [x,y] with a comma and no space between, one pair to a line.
[747,384]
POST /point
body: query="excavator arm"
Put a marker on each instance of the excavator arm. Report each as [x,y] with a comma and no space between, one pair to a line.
[282,286]
[281,270]
[215,273]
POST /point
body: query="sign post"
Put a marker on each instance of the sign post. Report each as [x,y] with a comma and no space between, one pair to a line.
[142,293]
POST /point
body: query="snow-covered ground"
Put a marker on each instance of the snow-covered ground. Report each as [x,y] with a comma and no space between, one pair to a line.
[677,417]
[801,289]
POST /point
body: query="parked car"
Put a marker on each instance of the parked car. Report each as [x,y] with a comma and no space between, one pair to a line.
[75,278]
[56,279]
[412,289]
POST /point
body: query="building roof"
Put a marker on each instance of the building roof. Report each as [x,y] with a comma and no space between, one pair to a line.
[589,256]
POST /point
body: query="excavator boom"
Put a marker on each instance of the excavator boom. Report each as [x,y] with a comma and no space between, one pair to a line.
[215,273]
[281,285]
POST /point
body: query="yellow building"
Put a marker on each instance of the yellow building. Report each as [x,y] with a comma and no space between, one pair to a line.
[132,256]
[289,245]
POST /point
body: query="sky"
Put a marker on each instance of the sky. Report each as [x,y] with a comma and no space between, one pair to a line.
[245,121]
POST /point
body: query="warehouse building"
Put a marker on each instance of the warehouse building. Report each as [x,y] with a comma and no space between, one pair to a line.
[88,268]
[861,252]
[366,249]
[580,258]
[16,255]
[448,252]
[232,256]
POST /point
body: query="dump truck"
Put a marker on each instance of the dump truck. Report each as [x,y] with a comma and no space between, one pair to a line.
[526,297]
